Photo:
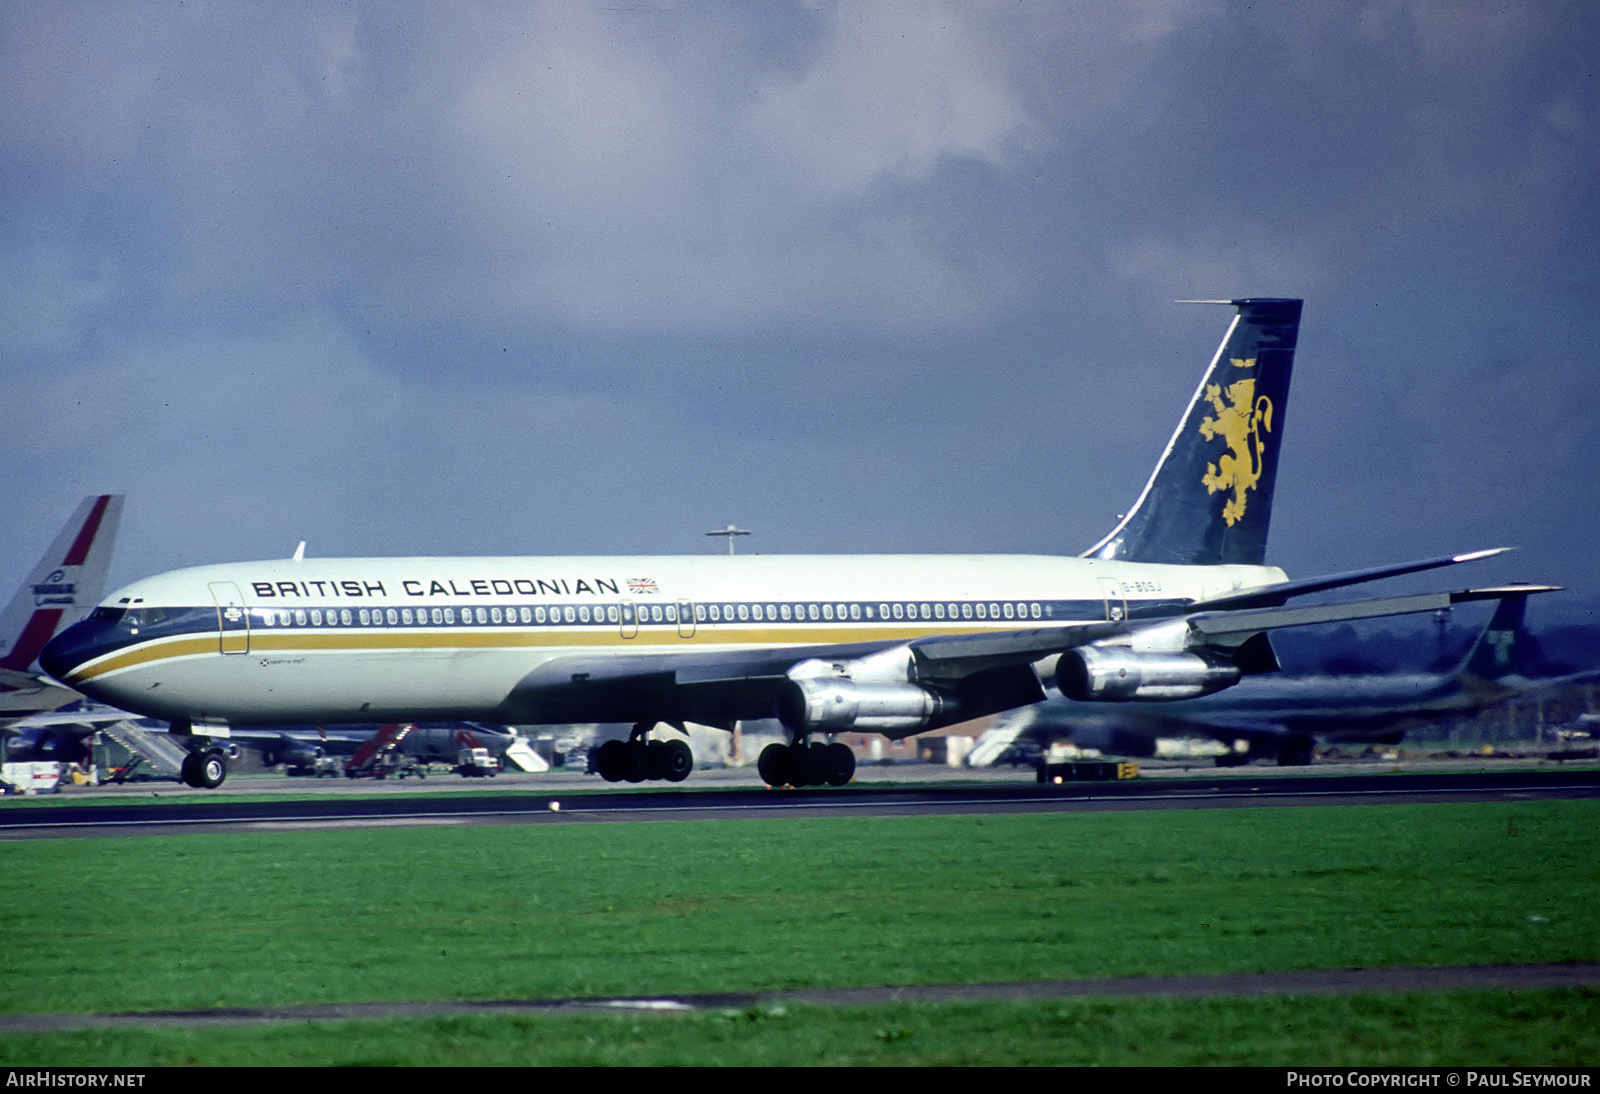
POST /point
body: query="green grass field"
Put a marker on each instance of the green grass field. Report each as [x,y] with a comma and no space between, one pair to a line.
[584,909]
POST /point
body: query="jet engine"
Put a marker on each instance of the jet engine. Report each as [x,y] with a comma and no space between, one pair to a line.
[1115,675]
[836,704]
[875,694]
[291,753]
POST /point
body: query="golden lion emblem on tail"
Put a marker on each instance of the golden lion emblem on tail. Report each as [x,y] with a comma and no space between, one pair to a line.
[1241,419]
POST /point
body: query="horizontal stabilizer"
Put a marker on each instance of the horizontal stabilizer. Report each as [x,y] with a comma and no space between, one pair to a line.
[1270,596]
[1223,624]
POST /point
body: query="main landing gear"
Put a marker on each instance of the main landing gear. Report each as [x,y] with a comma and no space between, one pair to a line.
[802,764]
[639,758]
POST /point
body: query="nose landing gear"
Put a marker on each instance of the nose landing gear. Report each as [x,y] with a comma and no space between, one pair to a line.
[205,769]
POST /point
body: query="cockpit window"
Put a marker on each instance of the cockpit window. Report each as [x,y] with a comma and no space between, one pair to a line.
[108,615]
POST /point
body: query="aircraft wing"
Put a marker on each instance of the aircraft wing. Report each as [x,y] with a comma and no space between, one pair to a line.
[86,718]
[715,688]
[23,694]
[1220,626]
[975,674]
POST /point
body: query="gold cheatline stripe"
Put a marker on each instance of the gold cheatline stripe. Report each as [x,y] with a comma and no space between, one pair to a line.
[359,640]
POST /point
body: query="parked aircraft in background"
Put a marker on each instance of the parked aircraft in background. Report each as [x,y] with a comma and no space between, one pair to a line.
[1281,716]
[66,582]
[1175,602]
[475,749]
[64,736]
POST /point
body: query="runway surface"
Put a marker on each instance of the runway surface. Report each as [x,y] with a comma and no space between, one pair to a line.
[574,799]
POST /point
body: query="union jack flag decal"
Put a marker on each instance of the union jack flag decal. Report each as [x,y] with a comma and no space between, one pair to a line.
[642,585]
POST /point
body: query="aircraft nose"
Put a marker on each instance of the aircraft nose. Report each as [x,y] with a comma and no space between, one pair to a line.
[64,653]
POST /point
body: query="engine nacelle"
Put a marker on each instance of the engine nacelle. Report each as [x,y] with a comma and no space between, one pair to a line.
[836,703]
[291,753]
[1110,674]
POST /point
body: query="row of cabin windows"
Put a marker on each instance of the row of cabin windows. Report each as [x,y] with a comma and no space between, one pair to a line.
[648,613]
[773,613]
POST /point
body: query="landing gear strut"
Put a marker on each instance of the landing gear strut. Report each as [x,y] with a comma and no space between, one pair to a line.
[639,758]
[802,764]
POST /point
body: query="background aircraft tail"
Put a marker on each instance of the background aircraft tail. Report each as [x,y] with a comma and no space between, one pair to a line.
[1209,500]
[1494,654]
[63,586]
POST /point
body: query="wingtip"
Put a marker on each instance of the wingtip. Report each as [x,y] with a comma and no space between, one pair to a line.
[1474,556]
[1503,592]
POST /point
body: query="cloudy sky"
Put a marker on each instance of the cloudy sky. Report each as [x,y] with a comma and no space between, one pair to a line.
[535,278]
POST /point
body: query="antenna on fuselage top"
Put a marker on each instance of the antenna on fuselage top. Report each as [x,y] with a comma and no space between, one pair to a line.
[300,552]
[730,531]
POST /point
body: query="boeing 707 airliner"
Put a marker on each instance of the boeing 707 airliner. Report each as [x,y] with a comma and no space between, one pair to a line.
[1174,602]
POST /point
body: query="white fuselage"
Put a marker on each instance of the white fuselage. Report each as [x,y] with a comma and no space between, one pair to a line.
[382,639]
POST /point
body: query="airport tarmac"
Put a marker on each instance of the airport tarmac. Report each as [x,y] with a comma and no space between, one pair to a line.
[560,798]
[746,777]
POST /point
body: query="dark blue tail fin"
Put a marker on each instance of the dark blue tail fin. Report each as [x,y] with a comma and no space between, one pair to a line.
[1209,500]
[1493,655]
